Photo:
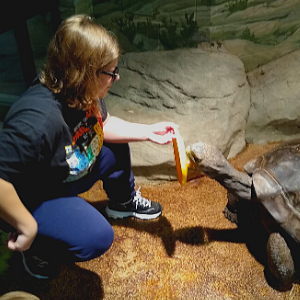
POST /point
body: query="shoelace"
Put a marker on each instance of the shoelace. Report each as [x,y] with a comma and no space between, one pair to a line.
[139,200]
[39,262]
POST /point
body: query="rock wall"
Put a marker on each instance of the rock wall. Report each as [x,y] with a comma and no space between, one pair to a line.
[206,93]
[209,95]
[275,107]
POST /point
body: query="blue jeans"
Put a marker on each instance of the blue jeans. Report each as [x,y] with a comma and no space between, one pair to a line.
[72,229]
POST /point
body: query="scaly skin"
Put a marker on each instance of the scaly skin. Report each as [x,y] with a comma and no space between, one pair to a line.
[208,159]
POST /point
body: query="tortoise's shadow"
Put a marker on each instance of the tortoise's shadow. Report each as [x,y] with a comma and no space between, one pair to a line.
[252,234]
[256,243]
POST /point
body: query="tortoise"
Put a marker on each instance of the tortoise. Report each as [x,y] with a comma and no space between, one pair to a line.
[271,184]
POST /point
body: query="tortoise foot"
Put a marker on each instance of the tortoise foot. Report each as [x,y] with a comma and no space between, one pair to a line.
[231,209]
[229,215]
[280,260]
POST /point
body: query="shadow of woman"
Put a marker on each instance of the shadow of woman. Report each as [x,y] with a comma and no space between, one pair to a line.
[160,227]
[72,282]
[251,233]
[75,282]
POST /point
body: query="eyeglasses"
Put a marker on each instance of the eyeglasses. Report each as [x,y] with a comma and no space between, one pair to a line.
[113,74]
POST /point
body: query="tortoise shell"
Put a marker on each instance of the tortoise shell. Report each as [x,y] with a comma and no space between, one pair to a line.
[276,182]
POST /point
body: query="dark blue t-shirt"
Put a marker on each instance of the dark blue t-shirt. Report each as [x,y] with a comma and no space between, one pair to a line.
[46,145]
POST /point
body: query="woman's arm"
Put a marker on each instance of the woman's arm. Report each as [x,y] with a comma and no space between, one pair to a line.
[16,214]
[120,131]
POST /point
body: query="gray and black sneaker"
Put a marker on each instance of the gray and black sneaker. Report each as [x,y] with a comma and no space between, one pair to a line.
[38,267]
[138,207]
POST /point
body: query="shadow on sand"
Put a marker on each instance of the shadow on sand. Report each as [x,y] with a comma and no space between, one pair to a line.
[72,282]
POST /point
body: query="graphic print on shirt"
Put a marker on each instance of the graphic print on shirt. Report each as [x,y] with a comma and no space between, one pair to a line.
[87,143]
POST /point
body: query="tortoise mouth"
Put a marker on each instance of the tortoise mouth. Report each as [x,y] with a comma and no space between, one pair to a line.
[192,159]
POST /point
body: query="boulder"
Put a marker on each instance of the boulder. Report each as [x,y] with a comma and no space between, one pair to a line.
[205,92]
[275,107]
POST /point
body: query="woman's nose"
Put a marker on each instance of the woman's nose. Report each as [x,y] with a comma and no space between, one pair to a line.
[117,78]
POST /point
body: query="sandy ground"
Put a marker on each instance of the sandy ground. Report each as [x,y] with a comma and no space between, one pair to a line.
[191,252]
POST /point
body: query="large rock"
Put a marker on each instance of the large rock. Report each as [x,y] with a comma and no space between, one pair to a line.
[275,107]
[205,92]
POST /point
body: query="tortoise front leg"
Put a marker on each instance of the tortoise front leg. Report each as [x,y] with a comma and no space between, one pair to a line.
[280,260]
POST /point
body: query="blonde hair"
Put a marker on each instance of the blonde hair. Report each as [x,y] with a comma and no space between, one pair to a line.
[77,52]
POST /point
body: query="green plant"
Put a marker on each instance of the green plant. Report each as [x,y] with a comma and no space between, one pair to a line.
[167,31]
[236,5]
[247,35]
[126,26]
[148,29]
[189,30]
[5,254]
[169,37]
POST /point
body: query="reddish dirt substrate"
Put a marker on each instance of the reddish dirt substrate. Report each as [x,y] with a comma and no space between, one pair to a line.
[190,252]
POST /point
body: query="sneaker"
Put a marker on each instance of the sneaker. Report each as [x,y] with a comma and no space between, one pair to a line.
[37,267]
[138,207]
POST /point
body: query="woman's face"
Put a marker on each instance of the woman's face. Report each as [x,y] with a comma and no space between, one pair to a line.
[106,80]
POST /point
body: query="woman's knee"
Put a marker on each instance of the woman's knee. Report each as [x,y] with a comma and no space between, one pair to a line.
[83,231]
[96,243]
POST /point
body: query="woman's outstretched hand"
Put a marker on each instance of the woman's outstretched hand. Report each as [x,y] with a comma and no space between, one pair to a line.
[162,133]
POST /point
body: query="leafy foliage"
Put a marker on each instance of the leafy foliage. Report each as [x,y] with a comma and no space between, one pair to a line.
[5,254]
[126,26]
[168,33]
[189,30]
[169,37]
[247,35]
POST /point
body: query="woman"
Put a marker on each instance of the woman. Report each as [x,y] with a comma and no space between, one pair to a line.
[57,140]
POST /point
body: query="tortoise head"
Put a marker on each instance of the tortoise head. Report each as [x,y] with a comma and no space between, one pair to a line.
[203,157]
[195,155]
